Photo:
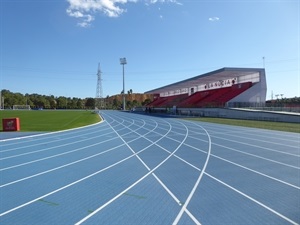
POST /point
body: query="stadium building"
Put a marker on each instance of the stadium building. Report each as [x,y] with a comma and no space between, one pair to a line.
[226,87]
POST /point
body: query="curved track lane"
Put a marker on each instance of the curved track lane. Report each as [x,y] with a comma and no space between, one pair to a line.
[138,169]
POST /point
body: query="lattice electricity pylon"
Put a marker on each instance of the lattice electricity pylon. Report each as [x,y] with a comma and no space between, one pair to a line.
[99,101]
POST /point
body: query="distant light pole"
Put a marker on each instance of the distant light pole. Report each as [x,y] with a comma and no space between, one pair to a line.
[123,62]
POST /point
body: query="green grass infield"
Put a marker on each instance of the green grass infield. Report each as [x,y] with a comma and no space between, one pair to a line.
[50,120]
[280,126]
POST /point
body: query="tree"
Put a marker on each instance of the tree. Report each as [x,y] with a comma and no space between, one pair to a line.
[53,104]
[90,103]
[128,104]
[147,101]
[79,104]
[135,103]
[62,102]
[116,104]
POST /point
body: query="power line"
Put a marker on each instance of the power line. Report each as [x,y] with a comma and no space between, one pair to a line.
[99,92]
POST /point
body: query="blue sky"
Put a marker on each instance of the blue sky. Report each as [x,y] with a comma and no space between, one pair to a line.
[53,47]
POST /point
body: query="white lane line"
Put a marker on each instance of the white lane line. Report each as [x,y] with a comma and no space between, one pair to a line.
[247,196]
[167,189]
[73,183]
[163,185]
[160,182]
[254,171]
[60,154]
[183,209]
[269,149]
[53,140]
[131,186]
[135,131]
[257,146]
[121,193]
[192,217]
[213,155]
[169,152]
[277,135]
[239,165]
[66,186]
[117,124]
[186,162]
[272,139]
[60,167]
[254,200]
[124,127]
[56,168]
[37,160]
[236,164]
[257,156]
[48,133]
[56,146]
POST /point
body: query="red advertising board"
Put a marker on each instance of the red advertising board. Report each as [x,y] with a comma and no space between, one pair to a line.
[11,124]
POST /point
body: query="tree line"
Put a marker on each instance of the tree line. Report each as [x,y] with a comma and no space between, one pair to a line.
[284,101]
[37,101]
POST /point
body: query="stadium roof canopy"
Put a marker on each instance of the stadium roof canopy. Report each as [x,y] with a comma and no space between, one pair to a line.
[217,75]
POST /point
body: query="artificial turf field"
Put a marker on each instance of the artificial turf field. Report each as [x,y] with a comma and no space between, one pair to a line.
[51,120]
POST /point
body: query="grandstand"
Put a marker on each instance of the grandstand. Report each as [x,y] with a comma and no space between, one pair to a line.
[226,87]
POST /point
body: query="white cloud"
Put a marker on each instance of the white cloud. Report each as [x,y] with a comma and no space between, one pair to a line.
[84,24]
[163,1]
[214,19]
[85,10]
[86,19]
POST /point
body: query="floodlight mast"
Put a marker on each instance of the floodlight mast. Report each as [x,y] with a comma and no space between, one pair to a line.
[123,62]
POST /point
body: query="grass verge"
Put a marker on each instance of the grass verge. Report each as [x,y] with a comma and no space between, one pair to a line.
[280,126]
[50,120]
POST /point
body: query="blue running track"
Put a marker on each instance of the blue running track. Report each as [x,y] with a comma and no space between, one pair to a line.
[139,169]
